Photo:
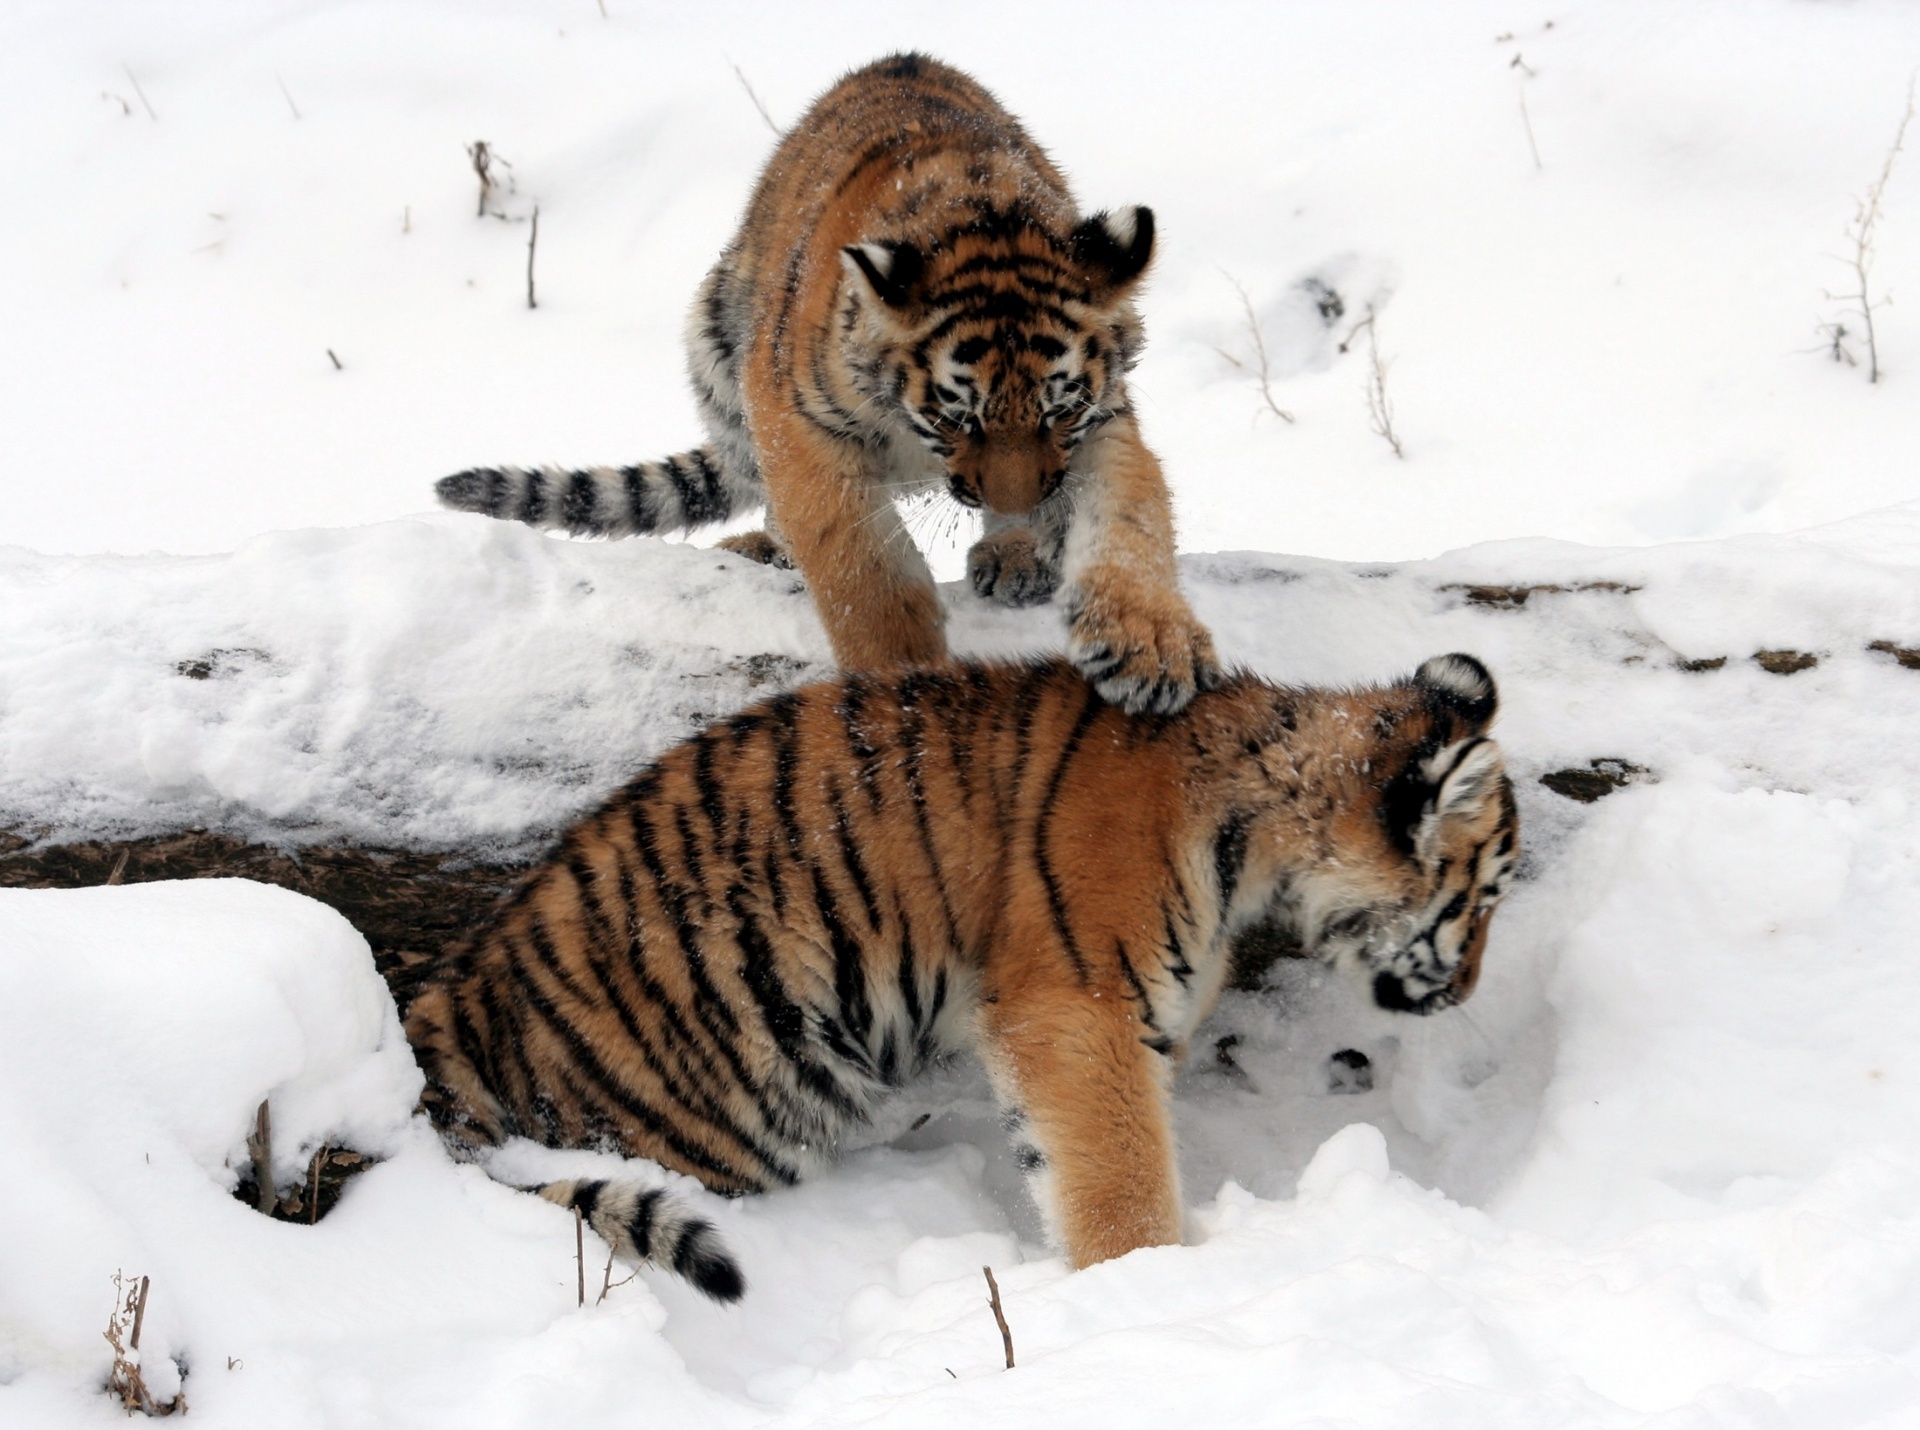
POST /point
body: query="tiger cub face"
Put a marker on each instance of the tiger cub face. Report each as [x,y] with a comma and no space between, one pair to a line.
[1007,349]
[1423,858]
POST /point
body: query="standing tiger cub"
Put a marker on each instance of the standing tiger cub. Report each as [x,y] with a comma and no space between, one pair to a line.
[914,300]
[747,948]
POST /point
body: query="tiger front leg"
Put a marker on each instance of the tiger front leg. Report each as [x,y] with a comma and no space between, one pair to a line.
[1013,564]
[870,583]
[1087,1105]
[1129,629]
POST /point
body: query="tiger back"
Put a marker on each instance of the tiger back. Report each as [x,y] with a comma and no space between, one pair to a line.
[731,964]
[914,303]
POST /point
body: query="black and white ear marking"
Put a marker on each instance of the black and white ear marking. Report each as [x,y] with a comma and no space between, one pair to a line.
[1466,775]
[1115,247]
[891,270]
[1453,781]
[1463,687]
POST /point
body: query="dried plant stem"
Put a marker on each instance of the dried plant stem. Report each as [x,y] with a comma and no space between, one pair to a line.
[747,85]
[1261,371]
[289,96]
[1527,120]
[119,867]
[140,1312]
[533,242]
[1379,408]
[993,1300]
[482,157]
[260,1145]
[580,1252]
[144,103]
[1860,235]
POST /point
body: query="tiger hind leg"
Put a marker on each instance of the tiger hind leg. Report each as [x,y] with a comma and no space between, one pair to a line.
[1086,1104]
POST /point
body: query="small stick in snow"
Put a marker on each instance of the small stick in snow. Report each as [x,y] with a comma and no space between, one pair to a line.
[139,1313]
[119,867]
[607,1283]
[1860,234]
[580,1252]
[533,240]
[603,11]
[747,85]
[483,157]
[993,1300]
[338,366]
[313,1194]
[1379,409]
[1259,352]
[289,96]
[1527,120]
[144,104]
[260,1144]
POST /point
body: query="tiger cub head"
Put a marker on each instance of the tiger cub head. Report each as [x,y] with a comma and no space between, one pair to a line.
[1425,847]
[1005,345]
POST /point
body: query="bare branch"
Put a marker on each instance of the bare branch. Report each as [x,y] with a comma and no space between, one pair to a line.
[1379,409]
[533,241]
[1861,234]
[747,85]
[993,1300]
[144,103]
[1260,372]
[289,96]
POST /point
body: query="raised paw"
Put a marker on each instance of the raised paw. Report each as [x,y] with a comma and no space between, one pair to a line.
[758,546]
[1006,567]
[1145,653]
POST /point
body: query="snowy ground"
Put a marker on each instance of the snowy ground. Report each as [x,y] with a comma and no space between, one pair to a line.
[1664,1170]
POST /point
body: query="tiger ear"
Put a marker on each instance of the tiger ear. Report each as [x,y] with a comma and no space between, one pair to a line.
[891,271]
[1461,690]
[1114,248]
[1454,783]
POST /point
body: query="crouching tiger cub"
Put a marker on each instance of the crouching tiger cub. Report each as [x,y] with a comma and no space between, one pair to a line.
[742,952]
[914,300]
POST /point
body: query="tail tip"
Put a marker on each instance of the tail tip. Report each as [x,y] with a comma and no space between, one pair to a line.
[464,491]
[702,1259]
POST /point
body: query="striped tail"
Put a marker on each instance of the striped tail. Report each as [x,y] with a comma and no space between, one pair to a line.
[647,1225]
[679,494]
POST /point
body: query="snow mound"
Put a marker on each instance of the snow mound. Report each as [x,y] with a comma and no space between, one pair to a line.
[1664,1169]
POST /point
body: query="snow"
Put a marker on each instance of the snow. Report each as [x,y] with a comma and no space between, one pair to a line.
[1663,1170]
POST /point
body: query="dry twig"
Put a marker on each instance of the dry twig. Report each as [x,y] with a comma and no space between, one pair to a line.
[124,1325]
[334,358]
[119,867]
[260,1147]
[1260,371]
[533,241]
[993,1300]
[484,158]
[289,96]
[580,1252]
[144,103]
[1379,408]
[1860,234]
[747,85]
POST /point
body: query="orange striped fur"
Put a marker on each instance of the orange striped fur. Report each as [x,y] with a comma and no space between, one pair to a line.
[744,951]
[914,301]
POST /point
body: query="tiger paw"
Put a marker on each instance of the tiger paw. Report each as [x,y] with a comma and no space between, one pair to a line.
[1006,567]
[758,546]
[1146,654]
